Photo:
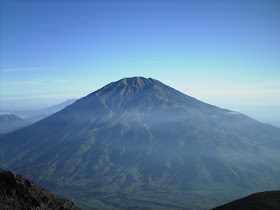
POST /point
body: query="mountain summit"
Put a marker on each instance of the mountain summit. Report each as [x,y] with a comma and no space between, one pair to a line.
[139,143]
[139,92]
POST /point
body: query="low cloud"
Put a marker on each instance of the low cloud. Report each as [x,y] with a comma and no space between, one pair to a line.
[142,62]
[27,69]
[238,92]
[28,82]
[60,80]
[37,82]
[152,62]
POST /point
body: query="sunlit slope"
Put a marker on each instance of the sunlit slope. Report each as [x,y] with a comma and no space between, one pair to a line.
[139,140]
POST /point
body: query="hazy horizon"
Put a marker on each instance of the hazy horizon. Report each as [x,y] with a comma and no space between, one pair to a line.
[265,114]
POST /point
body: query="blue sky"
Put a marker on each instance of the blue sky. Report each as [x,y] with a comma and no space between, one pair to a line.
[224,52]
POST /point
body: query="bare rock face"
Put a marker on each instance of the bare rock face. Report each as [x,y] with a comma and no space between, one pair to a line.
[17,192]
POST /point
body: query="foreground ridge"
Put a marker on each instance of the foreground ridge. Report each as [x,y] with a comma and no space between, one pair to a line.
[269,200]
[17,192]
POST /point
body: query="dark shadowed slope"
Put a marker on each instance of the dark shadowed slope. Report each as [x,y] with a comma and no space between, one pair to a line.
[10,122]
[17,192]
[269,200]
[137,141]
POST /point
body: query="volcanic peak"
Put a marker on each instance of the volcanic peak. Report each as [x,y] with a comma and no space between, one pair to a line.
[136,81]
[132,84]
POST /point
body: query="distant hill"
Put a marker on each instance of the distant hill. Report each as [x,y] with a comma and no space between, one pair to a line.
[269,200]
[17,192]
[36,118]
[138,143]
[11,122]
[18,119]
[56,108]
[33,115]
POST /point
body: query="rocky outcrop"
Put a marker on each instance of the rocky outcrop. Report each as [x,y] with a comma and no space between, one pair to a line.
[17,192]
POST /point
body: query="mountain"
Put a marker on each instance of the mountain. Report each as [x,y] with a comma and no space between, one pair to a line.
[36,118]
[33,116]
[17,192]
[10,122]
[269,200]
[138,143]
[56,108]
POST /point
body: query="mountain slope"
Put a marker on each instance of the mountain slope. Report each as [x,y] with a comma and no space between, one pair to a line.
[17,192]
[137,141]
[10,122]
